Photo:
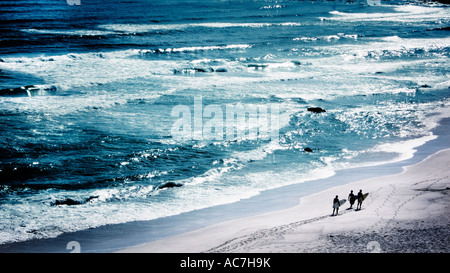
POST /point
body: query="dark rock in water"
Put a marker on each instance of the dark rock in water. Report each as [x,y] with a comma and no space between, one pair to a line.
[68,202]
[257,66]
[442,1]
[72,202]
[439,28]
[307,149]
[90,198]
[425,86]
[193,70]
[221,70]
[316,110]
[204,70]
[19,91]
[298,63]
[24,91]
[169,185]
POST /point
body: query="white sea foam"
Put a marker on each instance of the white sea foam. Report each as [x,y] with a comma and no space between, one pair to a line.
[142,28]
[70,32]
[198,48]
[87,69]
[272,7]
[83,69]
[403,13]
[337,36]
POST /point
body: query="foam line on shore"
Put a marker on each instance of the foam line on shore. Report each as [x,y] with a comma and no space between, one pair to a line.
[405,201]
[284,199]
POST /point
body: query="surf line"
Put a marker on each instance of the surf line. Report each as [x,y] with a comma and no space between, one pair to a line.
[237,122]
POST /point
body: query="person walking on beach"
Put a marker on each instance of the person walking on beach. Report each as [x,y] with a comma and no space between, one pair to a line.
[351,198]
[336,205]
[360,200]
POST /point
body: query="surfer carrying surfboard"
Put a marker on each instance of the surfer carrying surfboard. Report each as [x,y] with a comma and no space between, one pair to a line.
[336,205]
[351,198]
[360,200]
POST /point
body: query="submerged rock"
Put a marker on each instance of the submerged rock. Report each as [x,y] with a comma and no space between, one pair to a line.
[203,70]
[169,185]
[316,110]
[221,70]
[19,91]
[190,70]
[72,202]
[298,63]
[68,201]
[257,66]
[24,91]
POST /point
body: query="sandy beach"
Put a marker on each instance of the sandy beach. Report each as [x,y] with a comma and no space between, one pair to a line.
[405,212]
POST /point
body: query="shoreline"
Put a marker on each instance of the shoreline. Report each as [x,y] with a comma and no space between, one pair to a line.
[241,234]
[128,237]
[405,212]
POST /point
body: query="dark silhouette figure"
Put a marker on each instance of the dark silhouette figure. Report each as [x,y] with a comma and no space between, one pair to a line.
[335,206]
[360,200]
[351,198]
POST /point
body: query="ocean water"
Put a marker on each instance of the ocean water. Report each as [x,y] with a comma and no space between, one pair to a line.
[96,141]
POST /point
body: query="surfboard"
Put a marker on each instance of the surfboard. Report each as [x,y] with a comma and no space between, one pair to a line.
[365,196]
[341,202]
